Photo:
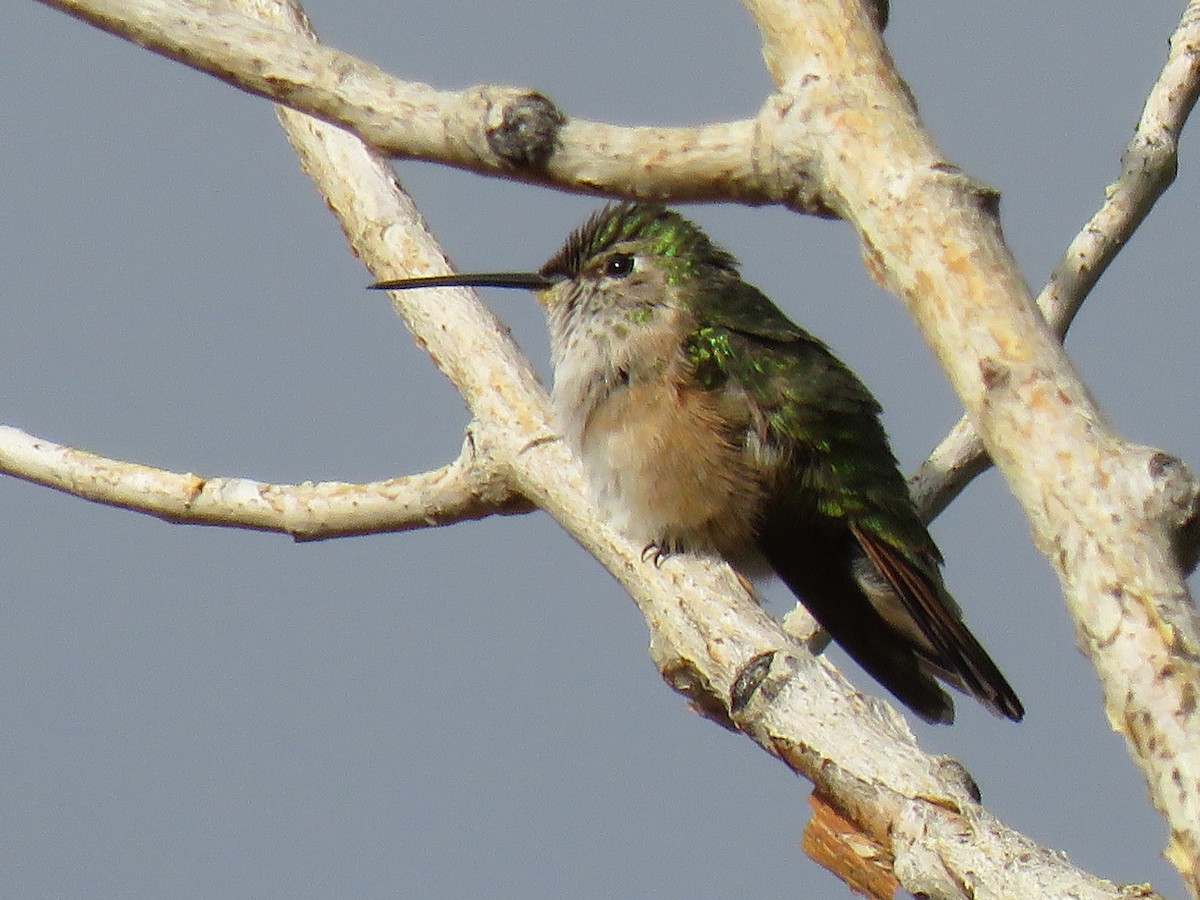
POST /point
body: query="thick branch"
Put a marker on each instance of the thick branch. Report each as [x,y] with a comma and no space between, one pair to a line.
[1106,513]
[471,487]
[709,639]
[1148,167]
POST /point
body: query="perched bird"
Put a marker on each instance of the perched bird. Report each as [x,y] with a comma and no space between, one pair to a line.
[709,422]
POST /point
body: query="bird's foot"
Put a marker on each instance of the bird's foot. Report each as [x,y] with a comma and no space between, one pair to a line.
[656,553]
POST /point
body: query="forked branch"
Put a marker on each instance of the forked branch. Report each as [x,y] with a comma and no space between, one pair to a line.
[1107,513]
[1148,167]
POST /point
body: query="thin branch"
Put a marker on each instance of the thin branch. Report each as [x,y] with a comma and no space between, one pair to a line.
[1148,167]
[489,129]
[471,487]
[953,464]
[1149,164]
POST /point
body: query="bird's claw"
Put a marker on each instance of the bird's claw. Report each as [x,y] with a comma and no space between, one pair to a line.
[655,553]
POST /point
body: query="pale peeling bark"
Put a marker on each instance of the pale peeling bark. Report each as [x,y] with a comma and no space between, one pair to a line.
[471,487]
[1107,513]
[1148,167]
[491,129]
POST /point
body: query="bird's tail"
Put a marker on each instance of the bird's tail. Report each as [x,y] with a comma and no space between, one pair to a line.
[894,618]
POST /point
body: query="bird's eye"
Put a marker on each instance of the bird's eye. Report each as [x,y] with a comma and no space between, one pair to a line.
[619,265]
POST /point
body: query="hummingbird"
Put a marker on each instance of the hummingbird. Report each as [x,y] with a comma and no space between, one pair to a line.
[708,422]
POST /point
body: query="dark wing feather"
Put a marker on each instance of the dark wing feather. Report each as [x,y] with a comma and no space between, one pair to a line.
[817,563]
[957,656]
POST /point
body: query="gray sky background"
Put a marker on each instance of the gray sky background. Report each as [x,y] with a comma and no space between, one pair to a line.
[471,711]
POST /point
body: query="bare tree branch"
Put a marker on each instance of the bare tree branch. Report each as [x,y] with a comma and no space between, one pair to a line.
[490,129]
[954,463]
[471,487]
[1106,513]
[1148,167]
[709,640]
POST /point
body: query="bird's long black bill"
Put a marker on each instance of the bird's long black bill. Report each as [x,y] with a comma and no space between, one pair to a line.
[529,281]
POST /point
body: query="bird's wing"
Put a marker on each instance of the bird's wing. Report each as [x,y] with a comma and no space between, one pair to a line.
[930,620]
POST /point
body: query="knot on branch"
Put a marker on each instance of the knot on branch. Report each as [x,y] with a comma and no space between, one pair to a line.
[750,677]
[785,157]
[491,478]
[1150,491]
[522,128]
[984,196]
[683,677]
[879,13]
[1152,157]
[1174,500]
[1160,491]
